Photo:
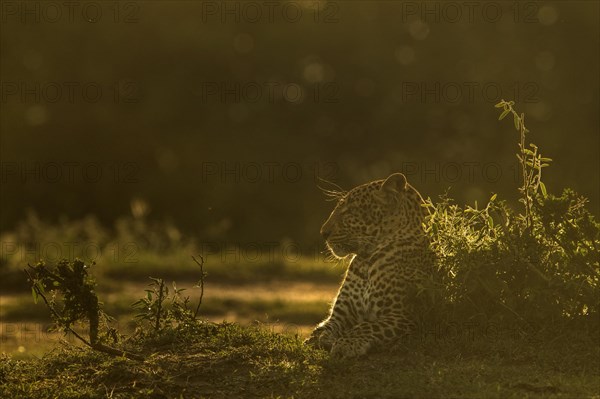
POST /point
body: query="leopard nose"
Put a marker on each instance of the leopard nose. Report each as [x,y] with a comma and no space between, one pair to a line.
[325,233]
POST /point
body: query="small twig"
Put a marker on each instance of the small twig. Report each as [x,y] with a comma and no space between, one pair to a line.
[160,301]
[201,264]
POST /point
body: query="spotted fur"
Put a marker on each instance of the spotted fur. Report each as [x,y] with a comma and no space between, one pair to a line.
[379,225]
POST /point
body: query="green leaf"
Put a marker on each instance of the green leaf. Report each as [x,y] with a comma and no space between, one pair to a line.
[34,294]
[546,159]
[500,104]
[493,197]
[517,122]
[543,188]
[503,114]
[490,222]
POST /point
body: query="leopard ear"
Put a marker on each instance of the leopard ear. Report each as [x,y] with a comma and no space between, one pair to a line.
[395,183]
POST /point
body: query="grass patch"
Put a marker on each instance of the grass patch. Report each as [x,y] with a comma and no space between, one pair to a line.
[227,360]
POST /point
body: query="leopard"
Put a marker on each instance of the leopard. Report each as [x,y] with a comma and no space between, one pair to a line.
[379,226]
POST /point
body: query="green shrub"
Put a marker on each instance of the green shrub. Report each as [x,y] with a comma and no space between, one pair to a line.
[538,266]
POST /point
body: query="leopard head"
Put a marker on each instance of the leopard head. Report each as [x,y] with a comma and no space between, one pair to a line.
[373,214]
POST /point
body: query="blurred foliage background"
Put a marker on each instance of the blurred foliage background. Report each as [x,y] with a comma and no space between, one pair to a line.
[222,116]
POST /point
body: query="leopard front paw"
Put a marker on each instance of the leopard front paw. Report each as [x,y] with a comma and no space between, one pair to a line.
[348,348]
[321,338]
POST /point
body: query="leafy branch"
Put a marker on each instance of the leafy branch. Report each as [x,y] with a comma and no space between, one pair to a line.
[79,301]
[530,159]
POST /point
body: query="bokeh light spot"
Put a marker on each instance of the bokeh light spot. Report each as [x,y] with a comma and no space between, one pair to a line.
[36,115]
[547,15]
[314,72]
[418,29]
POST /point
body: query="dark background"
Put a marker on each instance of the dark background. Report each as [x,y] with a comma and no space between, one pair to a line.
[194,110]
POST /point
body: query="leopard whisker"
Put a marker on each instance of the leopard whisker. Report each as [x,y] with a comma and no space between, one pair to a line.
[335,194]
